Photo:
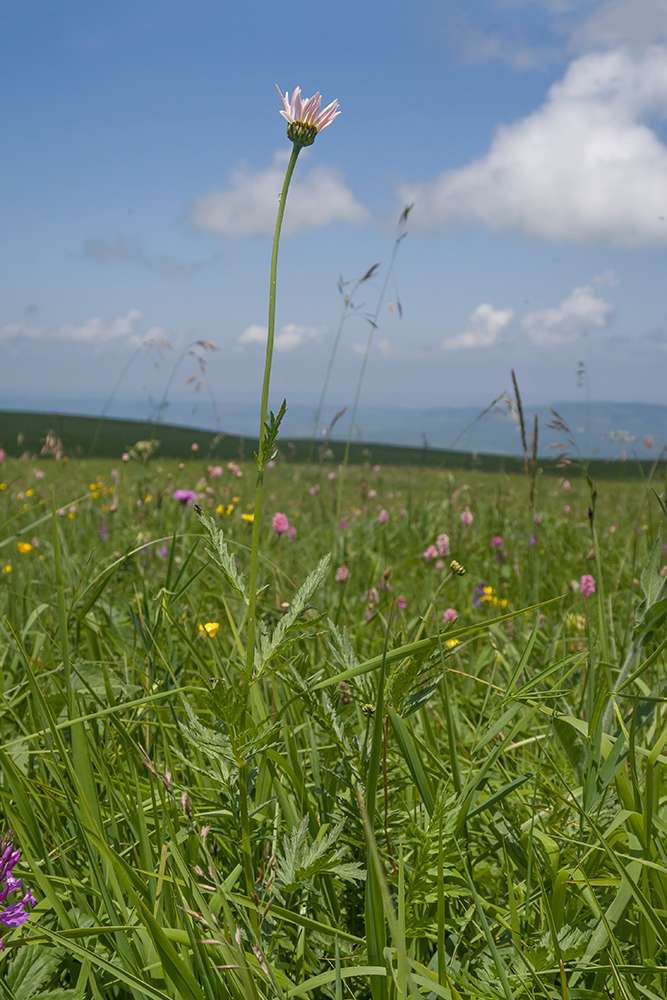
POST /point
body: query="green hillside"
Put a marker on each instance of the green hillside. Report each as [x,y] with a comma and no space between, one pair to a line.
[25,434]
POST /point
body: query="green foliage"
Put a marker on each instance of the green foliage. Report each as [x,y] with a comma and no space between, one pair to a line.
[390,805]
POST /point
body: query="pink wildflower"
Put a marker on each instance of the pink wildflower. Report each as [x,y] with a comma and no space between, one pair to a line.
[450,615]
[566,485]
[3,455]
[376,468]
[125,457]
[566,508]
[343,525]
[466,517]
[332,475]
[401,602]
[442,543]
[383,516]
[496,542]
[280,524]
[372,494]
[430,553]
[345,693]
[587,585]
[342,574]
[194,446]
[291,533]
[298,111]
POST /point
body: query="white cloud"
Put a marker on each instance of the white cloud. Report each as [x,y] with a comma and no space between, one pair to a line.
[483,330]
[580,312]
[253,334]
[608,278]
[582,168]
[248,205]
[288,338]
[93,331]
[11,330]
[635,23]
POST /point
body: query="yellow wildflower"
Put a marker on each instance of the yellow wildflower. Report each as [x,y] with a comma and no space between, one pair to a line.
[236,499]
[209,628]
[30,493]
[24,547]
[230,509]
[248,517]
[450,643]
[7,568]
[220,509]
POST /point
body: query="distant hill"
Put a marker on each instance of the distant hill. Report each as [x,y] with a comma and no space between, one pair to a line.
[24,434]
[603,430]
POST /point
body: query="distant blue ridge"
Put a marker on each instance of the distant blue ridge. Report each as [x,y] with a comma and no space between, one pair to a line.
[599,429]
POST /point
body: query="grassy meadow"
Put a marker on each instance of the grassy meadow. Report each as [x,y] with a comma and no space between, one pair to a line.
[421,788]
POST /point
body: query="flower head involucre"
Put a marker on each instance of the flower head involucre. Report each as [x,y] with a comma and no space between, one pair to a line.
[304,118]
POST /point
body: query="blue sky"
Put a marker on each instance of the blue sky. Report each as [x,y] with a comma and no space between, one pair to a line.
[143,154]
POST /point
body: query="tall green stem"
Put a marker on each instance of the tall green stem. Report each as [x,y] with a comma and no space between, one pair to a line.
[261,457]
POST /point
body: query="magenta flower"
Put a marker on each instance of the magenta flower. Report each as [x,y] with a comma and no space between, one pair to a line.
[450,615]
[496,542]
[466,517]
[291,533]
[280,524]
[566,485]
[442,543]
[587,585]
[2,455]
[185,496]
[401,602]
[342,574]
[383,516]
[430,553]
[15,914]
[304,118]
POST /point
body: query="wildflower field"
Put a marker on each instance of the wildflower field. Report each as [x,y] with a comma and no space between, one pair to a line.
[422,787]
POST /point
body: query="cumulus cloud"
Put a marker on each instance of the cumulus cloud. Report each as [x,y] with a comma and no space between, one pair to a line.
[288,338]
[93,331]
[248,204]
[583,168]
[483,330]
[580,312]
